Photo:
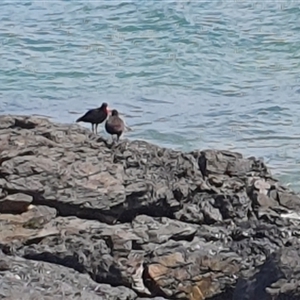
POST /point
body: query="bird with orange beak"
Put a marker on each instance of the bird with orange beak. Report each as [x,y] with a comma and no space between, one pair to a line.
[95,116]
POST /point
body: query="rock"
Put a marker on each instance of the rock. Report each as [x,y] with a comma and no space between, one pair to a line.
[15,203]
[200,269]
[30,225]
[27,279]
[85,219]
[274,279]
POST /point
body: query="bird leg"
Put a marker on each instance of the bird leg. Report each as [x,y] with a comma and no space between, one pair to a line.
[93,127]
[96,128]
[113,139]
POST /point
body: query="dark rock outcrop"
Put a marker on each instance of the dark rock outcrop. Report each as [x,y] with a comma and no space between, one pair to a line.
[84,219]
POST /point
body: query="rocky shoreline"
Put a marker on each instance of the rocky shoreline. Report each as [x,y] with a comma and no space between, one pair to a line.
[84,219]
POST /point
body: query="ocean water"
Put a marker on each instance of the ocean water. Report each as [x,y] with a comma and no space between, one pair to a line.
[183,74]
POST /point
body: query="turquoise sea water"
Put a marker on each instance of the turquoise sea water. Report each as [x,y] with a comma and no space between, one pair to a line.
[184,74]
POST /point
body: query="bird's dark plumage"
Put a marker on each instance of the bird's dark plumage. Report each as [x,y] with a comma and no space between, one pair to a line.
[114,124]
[95,116]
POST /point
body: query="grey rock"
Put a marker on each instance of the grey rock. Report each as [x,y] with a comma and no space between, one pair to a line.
[84,219]
[27,279]
[275,278]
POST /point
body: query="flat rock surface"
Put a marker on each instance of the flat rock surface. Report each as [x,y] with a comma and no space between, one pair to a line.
[82,218]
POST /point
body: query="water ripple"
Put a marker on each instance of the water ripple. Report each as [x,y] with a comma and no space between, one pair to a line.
[185,75]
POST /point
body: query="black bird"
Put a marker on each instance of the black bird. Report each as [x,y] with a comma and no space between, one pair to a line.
[114,124]
[95,116]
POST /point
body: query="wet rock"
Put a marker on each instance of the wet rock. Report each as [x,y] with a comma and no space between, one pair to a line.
[85,219]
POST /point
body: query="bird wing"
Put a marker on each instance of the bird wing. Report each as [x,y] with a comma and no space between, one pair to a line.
[91,115]
[118,124]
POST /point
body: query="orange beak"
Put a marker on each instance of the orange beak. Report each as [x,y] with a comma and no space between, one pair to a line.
[108,110]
